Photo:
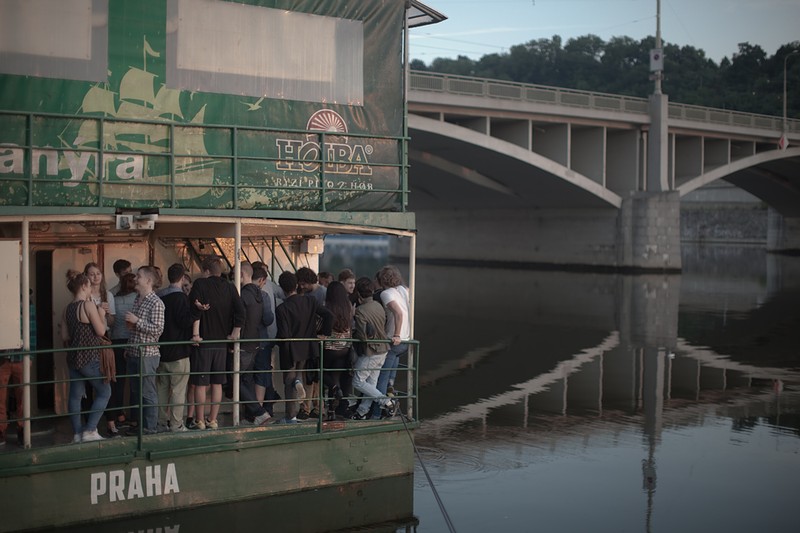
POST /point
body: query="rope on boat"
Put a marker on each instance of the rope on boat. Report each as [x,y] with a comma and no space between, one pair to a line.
[439,501]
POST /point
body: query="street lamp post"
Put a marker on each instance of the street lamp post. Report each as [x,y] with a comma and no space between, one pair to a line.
[657,54]
[785,60]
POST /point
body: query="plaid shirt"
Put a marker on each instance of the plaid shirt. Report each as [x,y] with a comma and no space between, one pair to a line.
[150,311]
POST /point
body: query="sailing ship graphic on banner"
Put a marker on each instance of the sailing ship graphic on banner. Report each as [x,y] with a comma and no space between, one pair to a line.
[142,142]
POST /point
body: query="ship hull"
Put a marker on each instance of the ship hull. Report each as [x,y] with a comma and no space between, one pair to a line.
[91,482]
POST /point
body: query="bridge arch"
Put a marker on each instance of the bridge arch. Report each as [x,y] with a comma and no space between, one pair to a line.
[773,176]
[491,172]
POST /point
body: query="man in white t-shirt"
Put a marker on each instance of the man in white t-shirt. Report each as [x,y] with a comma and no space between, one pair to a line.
[394,297]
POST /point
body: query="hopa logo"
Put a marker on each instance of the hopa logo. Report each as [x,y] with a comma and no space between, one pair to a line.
[341,157]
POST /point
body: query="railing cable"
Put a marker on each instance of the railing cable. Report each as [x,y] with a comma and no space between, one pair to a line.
[439,501]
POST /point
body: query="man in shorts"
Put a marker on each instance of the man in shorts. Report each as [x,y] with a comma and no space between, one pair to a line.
[218,315]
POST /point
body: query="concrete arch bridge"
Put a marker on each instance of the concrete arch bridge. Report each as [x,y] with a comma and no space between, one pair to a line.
[527,175]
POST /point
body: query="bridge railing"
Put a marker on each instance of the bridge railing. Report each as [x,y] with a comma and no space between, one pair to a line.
[542,94]
[728,117]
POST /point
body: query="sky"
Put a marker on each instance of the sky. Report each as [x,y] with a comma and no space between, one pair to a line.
[475,28]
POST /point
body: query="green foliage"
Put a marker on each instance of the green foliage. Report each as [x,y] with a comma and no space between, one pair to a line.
[750,81]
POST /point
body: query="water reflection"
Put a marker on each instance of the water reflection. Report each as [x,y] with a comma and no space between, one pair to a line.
[565,402]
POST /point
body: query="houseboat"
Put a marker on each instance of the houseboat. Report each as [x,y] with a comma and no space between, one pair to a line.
[161,131]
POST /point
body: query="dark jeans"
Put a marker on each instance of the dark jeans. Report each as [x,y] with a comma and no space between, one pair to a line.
[247,390]
[116,404]
[339,361]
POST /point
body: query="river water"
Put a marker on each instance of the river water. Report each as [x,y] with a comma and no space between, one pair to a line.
[565,402]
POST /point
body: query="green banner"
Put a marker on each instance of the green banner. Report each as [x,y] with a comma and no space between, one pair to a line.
[145,136]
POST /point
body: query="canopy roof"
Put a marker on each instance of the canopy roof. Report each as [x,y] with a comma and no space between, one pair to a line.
[421,15]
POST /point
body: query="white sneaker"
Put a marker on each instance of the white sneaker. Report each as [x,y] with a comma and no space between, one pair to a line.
[76,439]
[179,429]
[261,420]
[89,436]
[301,391]
[389,409]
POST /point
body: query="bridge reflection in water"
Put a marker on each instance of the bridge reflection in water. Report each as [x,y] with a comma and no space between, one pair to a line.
[566,402]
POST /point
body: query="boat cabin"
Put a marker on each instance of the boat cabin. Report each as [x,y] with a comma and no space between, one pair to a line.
[161,131]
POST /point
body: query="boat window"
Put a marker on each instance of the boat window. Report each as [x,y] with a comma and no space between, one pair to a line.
[54,39]
[225,47]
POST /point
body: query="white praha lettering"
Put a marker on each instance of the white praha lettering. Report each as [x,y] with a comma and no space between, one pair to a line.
[117,485]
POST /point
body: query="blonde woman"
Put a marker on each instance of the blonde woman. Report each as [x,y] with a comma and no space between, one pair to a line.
[100,295]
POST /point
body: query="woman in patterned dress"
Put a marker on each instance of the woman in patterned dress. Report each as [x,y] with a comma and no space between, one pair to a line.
[83,323]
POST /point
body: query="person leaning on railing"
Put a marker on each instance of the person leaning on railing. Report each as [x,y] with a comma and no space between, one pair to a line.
[394,297]
[370,323]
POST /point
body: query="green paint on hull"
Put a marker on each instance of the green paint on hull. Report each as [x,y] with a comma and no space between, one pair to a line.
[102,481]
[384,504]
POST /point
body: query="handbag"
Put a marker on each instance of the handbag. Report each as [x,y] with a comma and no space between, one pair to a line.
[108,366]
[337,345]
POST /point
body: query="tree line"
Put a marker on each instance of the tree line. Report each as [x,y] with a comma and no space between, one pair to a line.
[751,81]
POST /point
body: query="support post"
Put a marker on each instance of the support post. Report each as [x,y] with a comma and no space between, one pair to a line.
[237,276]
[26,333]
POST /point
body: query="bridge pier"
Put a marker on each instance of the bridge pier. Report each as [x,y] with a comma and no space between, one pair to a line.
[783,233]
[649,235]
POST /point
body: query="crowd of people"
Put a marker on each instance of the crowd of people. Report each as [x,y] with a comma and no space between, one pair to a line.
[180,385]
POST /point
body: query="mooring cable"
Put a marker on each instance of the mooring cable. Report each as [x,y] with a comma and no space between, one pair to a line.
[439,501]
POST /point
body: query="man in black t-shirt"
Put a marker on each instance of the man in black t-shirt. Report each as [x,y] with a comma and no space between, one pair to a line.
[218,315]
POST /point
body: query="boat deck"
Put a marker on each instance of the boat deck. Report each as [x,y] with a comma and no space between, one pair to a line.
[56,430]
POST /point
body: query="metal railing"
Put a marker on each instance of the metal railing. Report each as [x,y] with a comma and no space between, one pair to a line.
[92,161]
[556,96]
[408,399]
